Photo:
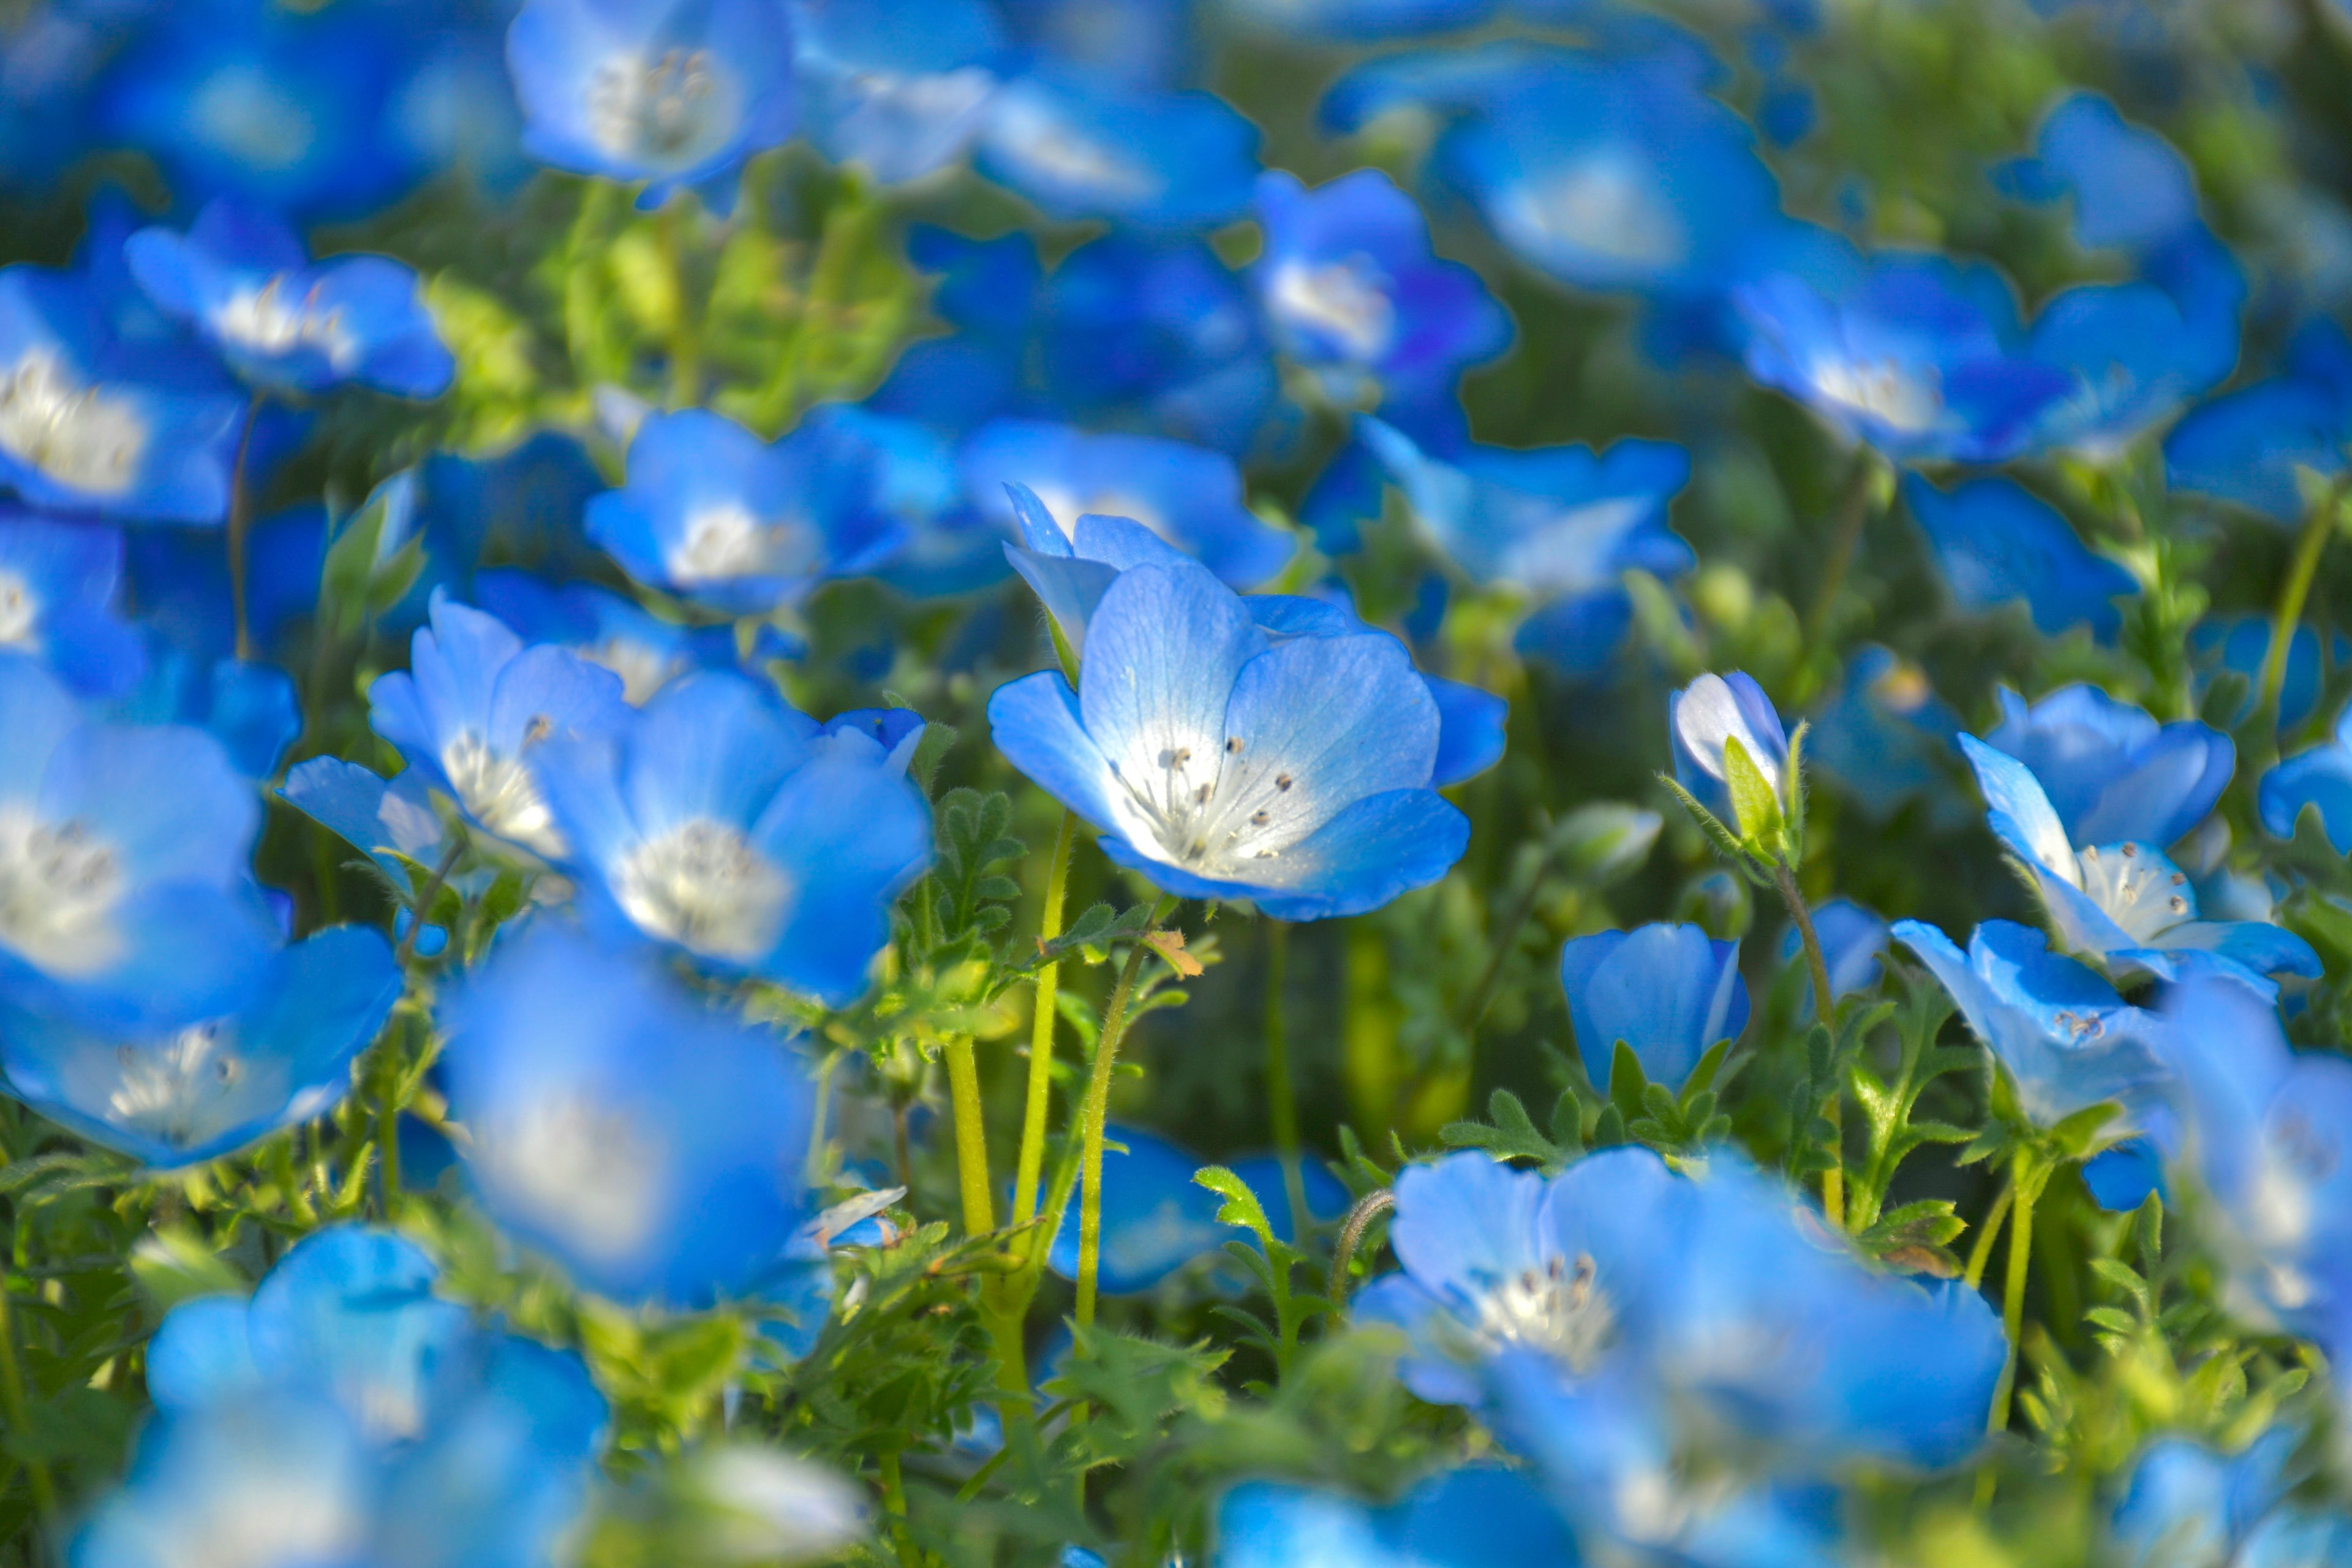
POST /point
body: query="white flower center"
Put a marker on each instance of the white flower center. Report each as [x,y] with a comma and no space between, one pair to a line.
[727,542]
[270,319]
[1556,1311]
[59,886]
[82,437]
[643,669]
[190,1088]
[499,793]
[668,110]
[703,886]
[579,1169]
[18,612]
[1343,301]
[1605,206]
[1216,809]
[2140,890]
[1899,396]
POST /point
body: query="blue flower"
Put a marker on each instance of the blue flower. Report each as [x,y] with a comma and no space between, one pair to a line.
[2320,777]
[182,1093]
[125,898]
[91,421]
[1560,525]
[2240,643]
[1477,1517]
[2132,192]
[1295,775]
[2109,769]
[712,512]
[60,585]
[649,1145]
[2066,1039]
[1998,542]
[1081,147]
[2122,904]
[2185,1503]
[1709,714]
[474,707]
[2135,354]
[718,820]
[1348,279]
[1852,939]
[946,545]
[2246,445]
[1187,495]
[1665,990]
[1362,21]
[241,279]
[651,91]
[603,628]
[1916,356]
[389,822]
[898,86]
[1887,736]
[250,708]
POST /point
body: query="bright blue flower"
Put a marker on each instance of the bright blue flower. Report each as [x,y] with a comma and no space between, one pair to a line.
[2134,354]
[1295,775]
[1665,990]
[2109,769]
[603,628]
[60,583]
[251,708]
[1852,939]
[2185,1503]
[1470,730]
[1887,736]
[2067,1040]
[947,547]
[1083,148]
[2246,445]
[182,1093]
[93,422]
[1714,710]
[1354,294]
[712,512]
[1188,496]
[651,91]
[649,1145]
[2123,904]
[474,707]
[2320,777]
[240,278]
[1998,542]
[388,822]
[2240,644]
[2120,1178]
[125,898]
[1360,21]
[1915,355]
[1478,1517]
[898,87]
[719,820]
[2131,190]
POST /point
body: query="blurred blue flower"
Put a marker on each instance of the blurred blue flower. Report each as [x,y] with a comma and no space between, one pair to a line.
[240,278]
[252,709]
[719,820]
[1998,542]
[1186,495]
[2109,769]
[1667,991]
[474,707]
[1887,736]
[946,546]
[2245,445]
[603,628]
[2185,1503]
[652,91]
[1853,941]
[60,583]
[1359,21]
[710,512]
[2134,354]
[1348,281]
[1081,147]
[2065,1037]
[125,897]
[1917,356]
[2131,190]
[1711,712]
[388,822]
[2122,904]
[1295,776]
[896,87]
[2240,643]
[1477,1517]
[182,1093]
[91,421]
[2321,777]
[649,1145]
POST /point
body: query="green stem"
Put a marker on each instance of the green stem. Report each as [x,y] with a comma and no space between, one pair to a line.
[893,1503]
[2309,546]
[1369,1207]
[387,1126]
[1981,1250]
[12,1391]
[240,520]
[2028,1183]
[1853,510]
[1041,1041]
[1832,1179]
[1281,1095]
[970,1135]
[1096,1110]
[685,346]
[431,889]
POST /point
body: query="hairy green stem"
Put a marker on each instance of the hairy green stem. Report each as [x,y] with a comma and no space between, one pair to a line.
[1369,1207]
[1832,1179]
[1042,1023]
[1096,1110]
[1852,511]
[1281,1095]
[970,1135]
[2318,524]
[2027,1185]
[1981,1250]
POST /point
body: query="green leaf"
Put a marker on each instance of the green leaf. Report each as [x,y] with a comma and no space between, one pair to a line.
[1603,842]
[1241,1206]
[1757,809]
[1627,1081]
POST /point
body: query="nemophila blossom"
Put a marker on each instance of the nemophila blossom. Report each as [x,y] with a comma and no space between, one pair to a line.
[179,1093]
[2247,446]
[1561,525]
[652,90]
[2189,1504]
[603,628]
[2131,191]
[60,583]
[474,706]
[92,422]
[1998,542]
[1294,774]
[898,87]
[1478,1517]
[650,1146]
[125,897]
[1853,942]
[2320,778]
[1356,21]
[945,546]
[2109,769]
[713,513]
[1714,713]
[1080,147]
[718,820]
[1354,294]
[242,281]
[1189,495]
[1887,736]
[1667,991]
[387,820]
[2240,644]
[2122,903]
[2066,1039]
[346,1412]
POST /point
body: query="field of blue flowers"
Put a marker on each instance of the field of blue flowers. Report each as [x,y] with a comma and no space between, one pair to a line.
[1175,783]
